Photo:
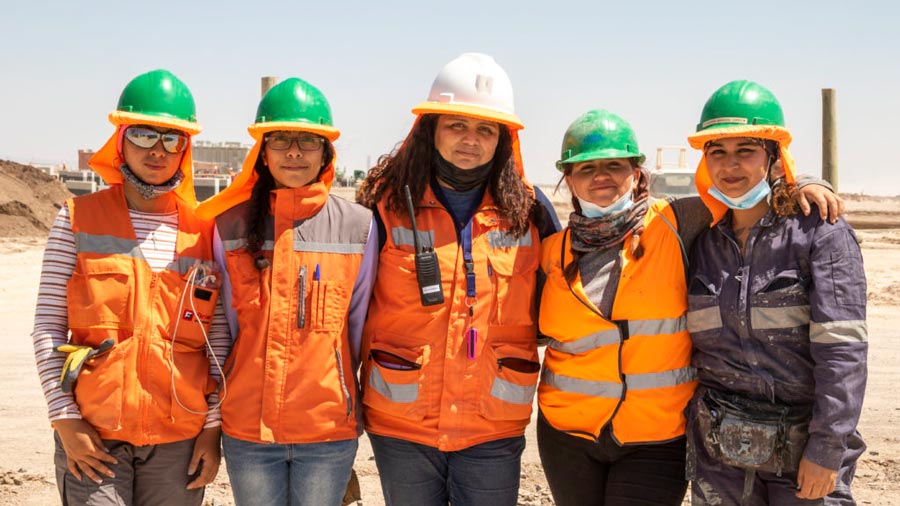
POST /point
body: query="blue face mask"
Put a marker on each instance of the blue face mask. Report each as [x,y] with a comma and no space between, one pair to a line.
[745,201]
[591,210]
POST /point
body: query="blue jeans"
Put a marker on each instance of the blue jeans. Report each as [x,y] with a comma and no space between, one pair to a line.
[417,475]
[310,474]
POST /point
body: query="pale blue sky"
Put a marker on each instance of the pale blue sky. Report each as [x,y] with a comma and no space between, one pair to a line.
[654,63]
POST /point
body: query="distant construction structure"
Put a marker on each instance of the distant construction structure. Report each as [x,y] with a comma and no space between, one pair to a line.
[224,155]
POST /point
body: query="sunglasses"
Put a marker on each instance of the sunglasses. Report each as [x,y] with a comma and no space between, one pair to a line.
[281,142]
[146,138]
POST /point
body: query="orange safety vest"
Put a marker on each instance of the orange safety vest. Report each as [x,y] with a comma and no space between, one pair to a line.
[290,377]
[631,370]
[419,383]
[126,393]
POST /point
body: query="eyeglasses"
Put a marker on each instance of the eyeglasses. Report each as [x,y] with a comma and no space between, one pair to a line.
[146,138]
[281,142]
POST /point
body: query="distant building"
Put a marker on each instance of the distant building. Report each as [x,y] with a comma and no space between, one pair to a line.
[83,156]
[223,155]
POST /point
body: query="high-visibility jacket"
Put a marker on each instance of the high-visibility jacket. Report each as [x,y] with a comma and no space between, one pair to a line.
[630,369]
[127,393]
[290,377]
[419,383]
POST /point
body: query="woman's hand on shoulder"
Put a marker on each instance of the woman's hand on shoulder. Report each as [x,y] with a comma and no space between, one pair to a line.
[831,206]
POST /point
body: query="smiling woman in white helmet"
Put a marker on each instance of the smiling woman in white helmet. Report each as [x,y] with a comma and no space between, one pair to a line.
[449,351]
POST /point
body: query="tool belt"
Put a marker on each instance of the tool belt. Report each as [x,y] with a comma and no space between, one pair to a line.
[755,435]
[751,435]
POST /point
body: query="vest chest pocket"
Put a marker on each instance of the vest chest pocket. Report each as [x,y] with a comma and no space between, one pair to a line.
[100,386]
[509,379]
[329,303]
[779,312]
[192,309]
[245,280]
[101,295]
[513,279]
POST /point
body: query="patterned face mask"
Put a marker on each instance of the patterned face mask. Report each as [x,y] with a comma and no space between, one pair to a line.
[151,191]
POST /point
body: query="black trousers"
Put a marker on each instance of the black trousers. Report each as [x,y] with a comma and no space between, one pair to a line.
[602,473]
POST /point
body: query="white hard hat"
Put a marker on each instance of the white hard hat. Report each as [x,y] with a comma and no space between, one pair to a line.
[472,85]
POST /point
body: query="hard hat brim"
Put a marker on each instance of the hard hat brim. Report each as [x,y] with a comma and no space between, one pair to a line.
[119,118]
[772,132]
[258,130]
[601,154]
[479,112]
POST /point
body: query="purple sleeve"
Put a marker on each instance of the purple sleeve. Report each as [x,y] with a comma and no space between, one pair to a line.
[838,341]
[362,292]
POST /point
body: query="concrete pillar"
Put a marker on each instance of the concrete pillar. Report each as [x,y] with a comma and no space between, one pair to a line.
[829,137]
[267,83]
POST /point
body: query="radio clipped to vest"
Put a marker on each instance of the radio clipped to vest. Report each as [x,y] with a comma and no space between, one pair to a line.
[428,272]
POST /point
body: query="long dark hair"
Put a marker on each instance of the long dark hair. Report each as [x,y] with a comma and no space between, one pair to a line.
[258,210]
[570,271]
[412,164]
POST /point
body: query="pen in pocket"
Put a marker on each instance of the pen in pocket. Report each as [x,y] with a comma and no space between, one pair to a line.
[301,298]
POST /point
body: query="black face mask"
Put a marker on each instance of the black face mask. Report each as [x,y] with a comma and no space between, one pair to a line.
[461,180]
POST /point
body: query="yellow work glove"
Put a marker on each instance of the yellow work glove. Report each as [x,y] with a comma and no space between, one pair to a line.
[76,355]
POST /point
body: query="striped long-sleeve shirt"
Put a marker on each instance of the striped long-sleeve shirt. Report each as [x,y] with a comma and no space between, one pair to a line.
[157,235]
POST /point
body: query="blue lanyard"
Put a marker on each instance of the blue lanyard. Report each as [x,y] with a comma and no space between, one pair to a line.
[466,237]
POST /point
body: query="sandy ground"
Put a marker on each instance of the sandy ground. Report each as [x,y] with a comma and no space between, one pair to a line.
[26,472]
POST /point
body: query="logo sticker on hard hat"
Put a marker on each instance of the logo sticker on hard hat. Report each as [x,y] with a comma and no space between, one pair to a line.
[484,84]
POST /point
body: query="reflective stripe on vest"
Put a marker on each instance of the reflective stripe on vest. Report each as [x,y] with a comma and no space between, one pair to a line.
[612,390]
[325,247]
[403,236]
[504,239]
[612,336]
[235,244]
[701,320]
[107,245]
[769,318]
[850,331]
[510,392]
[408,392]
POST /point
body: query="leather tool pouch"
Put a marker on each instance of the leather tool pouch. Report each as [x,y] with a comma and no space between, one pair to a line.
[753,435]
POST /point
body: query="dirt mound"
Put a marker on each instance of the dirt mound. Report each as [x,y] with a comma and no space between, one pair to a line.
[29,200]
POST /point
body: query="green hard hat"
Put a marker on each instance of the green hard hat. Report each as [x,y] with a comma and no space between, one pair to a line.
[741,103]
[294,101]
[598,134]
[160,94]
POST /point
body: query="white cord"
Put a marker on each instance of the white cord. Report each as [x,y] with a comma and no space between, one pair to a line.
[189,287]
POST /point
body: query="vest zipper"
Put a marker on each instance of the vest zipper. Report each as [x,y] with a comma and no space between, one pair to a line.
[340,366]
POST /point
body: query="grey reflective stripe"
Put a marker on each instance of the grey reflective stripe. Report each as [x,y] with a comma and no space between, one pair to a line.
[396,393]
[404,236]
[501,239]
[654,327]
[233,244]
[183,264]
[611,336]
[849,331]
[767,318]
[107,245]
[605,389]
[589,342]
[651,380]
[510,392]
[324,247]
[704,319]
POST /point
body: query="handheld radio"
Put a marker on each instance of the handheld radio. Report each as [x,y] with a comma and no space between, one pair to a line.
[428,272]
